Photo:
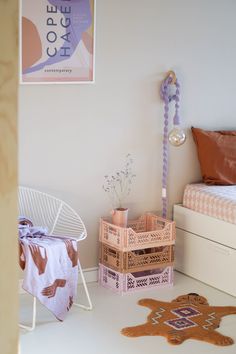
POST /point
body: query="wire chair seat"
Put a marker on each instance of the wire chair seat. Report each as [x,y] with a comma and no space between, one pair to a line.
[59,218]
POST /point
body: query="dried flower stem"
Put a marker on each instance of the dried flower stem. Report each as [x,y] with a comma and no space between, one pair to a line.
[118,186]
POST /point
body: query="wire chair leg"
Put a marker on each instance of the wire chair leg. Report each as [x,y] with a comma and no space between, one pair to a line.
[86,291]
[32,327]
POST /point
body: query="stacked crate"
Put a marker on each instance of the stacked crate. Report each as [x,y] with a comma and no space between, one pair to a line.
[137,257]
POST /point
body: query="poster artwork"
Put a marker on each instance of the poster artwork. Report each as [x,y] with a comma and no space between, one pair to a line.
[57,41]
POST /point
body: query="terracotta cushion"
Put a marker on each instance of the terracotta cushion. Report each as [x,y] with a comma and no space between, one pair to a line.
[217,155]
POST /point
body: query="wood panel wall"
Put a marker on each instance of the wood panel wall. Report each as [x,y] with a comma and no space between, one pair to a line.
[8,177]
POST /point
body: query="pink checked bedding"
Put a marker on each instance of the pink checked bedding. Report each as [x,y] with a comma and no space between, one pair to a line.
[216,201]
[50,267]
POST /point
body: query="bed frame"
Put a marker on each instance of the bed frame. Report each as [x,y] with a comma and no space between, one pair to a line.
[206,249]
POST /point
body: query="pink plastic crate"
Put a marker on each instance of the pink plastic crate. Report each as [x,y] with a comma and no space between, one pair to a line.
[128,282]
[147,231]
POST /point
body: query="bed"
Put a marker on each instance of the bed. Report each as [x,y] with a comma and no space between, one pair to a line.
[206,235]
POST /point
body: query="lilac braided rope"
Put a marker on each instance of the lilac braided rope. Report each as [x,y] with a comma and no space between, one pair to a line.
[167,97]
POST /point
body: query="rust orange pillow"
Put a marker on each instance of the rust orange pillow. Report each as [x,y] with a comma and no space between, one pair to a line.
[217,155]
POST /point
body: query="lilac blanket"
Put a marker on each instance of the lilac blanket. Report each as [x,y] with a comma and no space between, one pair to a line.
[50,267]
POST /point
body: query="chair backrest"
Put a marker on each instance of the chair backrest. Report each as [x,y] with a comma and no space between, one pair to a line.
[47,211]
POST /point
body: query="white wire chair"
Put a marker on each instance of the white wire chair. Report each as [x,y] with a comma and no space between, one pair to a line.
[60,219]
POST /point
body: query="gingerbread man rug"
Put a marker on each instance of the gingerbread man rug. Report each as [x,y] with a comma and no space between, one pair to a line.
[186,317]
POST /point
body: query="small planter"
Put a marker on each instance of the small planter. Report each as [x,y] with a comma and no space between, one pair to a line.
[120,217]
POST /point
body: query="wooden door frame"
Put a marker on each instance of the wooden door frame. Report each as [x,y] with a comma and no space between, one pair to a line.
[9,331]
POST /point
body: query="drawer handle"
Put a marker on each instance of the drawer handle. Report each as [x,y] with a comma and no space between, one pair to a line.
[222,250]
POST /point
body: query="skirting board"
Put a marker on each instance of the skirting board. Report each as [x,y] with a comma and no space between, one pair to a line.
[90,274]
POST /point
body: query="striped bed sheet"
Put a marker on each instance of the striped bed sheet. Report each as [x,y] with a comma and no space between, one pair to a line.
[216,201]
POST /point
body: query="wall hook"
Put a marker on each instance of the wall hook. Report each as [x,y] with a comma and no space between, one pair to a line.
[171,74]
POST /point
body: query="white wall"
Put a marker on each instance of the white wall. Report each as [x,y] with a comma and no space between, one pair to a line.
[72,135]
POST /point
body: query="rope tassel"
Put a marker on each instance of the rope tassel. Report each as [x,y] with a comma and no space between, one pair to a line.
[177,136]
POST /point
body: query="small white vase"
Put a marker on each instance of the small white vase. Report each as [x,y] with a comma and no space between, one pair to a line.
[120,216]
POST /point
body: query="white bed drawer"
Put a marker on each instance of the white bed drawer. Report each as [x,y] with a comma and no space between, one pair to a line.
[205,260]
[206,226]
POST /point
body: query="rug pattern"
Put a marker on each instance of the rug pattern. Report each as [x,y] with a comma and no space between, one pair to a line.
[186,317]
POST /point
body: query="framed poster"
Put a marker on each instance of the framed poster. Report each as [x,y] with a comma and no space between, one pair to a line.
[57,41]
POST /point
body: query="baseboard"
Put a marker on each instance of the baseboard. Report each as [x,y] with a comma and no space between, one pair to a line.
[90,275]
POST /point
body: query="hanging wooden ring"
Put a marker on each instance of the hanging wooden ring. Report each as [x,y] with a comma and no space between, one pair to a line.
[171,74]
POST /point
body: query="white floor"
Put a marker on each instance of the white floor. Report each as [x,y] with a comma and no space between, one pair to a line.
[98,331]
